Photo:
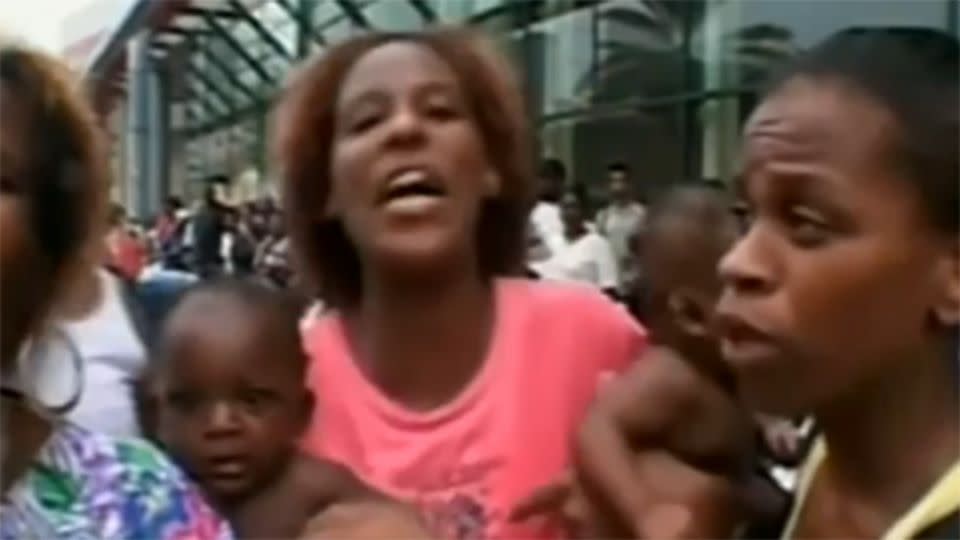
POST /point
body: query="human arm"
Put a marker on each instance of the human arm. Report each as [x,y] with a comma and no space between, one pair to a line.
[656,455]
[367,521]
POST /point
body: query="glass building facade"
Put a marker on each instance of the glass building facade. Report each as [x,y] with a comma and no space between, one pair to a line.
[662,85]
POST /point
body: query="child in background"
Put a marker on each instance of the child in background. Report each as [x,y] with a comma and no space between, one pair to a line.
[232,405]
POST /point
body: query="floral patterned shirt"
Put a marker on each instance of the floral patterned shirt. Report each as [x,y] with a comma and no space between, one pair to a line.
[88,486]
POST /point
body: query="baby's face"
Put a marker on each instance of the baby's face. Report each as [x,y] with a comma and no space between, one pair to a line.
[231,407]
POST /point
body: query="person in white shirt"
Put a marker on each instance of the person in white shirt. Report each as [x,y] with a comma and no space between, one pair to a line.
[98,327]
[546,225]
[621,222]
[583,255]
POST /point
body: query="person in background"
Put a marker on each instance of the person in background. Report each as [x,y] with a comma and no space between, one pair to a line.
[547,226]
[584,255]
[59,480]
[407,184]
[620,222]
[243,249]
[208,228]
[100,319]
[166,224]
[842,296]
[230,220]
[127,255]
[272,259]
[231,405]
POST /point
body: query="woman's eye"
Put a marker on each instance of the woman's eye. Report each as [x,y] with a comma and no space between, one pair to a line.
[808,227]
[442,112]
[363,123]
[440,107]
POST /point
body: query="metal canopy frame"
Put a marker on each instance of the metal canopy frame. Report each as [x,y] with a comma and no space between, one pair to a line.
[353,13]
[220,20]
[264,34]
[214,31]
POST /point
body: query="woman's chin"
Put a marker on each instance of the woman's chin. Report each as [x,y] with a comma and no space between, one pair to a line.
[423,253]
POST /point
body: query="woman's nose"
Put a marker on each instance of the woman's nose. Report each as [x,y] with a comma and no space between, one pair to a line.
[405,127]
[747,268]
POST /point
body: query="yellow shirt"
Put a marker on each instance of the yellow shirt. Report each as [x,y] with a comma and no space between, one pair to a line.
[939,502]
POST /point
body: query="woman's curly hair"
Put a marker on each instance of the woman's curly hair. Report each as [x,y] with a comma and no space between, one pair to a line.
[63,175]
[304,127]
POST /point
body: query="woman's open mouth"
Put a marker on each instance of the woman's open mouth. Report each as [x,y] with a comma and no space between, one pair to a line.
[412,191]
[743,343]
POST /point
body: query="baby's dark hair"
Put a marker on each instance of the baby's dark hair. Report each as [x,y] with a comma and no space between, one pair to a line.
[914,74]
[552,169]
[279,310]
[703,215]
[618,167]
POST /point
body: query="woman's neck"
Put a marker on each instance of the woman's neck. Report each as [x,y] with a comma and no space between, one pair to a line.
[890,441]
[422,344]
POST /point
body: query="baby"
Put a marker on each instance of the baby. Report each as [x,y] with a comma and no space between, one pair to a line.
[678,403]
[231,405]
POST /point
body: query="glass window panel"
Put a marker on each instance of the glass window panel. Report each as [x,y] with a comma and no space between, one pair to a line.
[640,53]
[558,60]
[393,15]
[460,10]
[326,13]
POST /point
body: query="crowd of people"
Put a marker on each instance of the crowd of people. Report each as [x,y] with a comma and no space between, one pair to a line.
[212,239]
[428,337]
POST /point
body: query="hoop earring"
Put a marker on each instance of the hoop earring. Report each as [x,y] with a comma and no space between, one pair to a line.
[37,353]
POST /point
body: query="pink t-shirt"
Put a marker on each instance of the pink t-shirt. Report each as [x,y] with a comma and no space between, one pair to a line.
[469,462]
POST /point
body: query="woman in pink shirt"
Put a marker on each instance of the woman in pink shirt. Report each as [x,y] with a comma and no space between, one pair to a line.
[439,380]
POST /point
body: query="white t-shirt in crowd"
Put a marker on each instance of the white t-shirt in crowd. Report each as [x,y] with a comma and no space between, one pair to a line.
[619,224]
[588,259]
[113,357]
[547,224]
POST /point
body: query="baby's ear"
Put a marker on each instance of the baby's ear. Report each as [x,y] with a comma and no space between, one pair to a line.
[307,403]
[946,310]
[689,312]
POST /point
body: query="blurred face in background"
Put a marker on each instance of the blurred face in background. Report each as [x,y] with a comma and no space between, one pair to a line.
[619,187]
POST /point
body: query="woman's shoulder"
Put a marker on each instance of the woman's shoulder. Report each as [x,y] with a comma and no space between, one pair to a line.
[568,314]
[115,487]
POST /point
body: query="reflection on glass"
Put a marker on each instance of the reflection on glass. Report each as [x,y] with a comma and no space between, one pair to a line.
[565,56]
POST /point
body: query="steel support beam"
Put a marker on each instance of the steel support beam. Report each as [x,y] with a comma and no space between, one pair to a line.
[424,9]
[303,16]
[212,86]
[227,73]
[206,12]
[225,120]
[176,30]
[208,106]
[353,13]
[264,34]
[224,34]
